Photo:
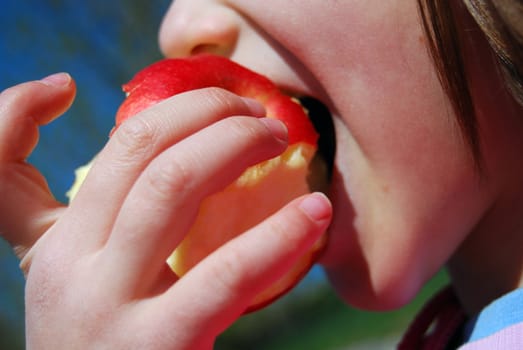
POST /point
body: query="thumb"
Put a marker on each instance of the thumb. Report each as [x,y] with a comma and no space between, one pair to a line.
[27,207]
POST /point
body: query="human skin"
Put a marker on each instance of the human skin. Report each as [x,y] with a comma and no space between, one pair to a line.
[406,192]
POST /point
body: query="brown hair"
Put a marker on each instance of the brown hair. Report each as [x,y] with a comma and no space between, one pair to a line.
[502,24]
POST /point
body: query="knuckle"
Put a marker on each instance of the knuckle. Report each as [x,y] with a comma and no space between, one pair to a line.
[285,234]
[11,96]
[136,136]
[250,130]
[230,272]
[19,95]
[220,97]
[224,101]
[169,178]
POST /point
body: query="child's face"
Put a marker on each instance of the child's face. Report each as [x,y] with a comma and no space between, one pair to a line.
[405,190]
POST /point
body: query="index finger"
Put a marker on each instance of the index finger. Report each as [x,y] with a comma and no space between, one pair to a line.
[137,142]
[25,107]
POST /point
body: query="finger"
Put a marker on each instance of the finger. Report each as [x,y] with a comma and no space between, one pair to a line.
[217,291]
[163,203]
[139,140]
[27,208]
[24,107]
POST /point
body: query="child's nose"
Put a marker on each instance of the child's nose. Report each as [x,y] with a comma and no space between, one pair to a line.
[189,28]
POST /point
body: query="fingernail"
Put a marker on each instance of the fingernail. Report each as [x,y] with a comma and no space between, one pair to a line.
[276,127]
[257,109]
[58,79]
[316,206]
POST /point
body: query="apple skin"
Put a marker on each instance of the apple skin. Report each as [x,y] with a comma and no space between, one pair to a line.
[252,197]
[169,77]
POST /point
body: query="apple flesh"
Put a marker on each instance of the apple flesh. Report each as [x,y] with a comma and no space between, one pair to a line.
[262,189]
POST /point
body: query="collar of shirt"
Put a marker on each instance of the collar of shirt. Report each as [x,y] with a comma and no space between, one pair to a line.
[500,314]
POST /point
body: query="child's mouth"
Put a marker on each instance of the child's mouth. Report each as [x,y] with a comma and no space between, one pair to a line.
[321,118]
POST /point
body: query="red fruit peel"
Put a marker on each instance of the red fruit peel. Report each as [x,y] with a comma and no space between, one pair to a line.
[169,77]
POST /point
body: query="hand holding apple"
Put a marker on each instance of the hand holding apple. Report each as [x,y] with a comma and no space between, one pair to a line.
[263,188]
[97,274]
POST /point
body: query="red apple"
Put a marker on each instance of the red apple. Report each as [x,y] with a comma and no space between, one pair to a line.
[169,77]
[262,189]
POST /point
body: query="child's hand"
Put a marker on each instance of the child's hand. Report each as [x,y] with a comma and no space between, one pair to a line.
[27,207]
[98,276]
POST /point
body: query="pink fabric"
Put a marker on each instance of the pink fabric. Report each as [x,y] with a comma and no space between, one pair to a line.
[510,338]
